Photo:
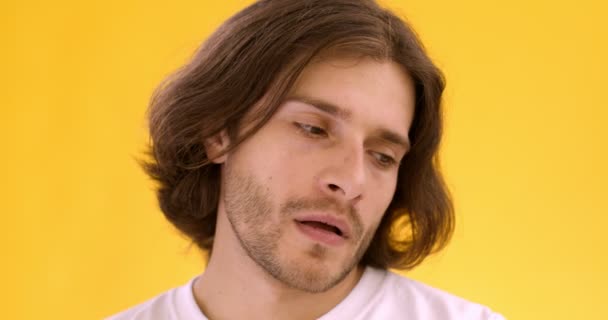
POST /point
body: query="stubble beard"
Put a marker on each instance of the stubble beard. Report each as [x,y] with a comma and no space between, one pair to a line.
[249,211]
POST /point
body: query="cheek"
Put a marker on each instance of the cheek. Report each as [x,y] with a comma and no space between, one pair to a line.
[379,198]
[283,172]
[292,178]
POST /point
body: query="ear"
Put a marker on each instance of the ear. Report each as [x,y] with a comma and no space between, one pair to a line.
[215,145]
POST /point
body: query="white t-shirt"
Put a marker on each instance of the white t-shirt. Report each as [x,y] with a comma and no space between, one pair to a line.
[379,294]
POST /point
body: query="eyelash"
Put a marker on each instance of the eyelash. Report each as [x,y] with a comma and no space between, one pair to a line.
[307,129]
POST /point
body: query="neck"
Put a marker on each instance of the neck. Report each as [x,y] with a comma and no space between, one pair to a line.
[233,286]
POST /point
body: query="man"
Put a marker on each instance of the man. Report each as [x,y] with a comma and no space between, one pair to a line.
[298,148]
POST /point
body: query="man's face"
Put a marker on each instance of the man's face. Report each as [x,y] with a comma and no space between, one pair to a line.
[305,194]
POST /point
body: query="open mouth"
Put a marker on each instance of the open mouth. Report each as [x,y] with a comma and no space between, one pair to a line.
[323,226]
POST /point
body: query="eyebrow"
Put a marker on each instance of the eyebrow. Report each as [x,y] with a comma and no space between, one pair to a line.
[346,115]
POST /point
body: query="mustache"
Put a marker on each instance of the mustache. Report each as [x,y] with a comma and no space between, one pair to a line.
[325,204]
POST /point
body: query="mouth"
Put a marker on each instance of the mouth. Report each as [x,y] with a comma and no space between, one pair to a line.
[323,226]
[323,229]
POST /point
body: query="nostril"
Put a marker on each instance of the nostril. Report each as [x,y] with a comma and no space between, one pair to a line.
[333,187]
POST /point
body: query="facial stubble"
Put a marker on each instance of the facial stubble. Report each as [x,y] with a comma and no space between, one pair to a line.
[250,213]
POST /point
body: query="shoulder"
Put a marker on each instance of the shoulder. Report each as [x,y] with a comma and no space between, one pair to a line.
[381,294]
[426,302]
[176,303]
[158,307]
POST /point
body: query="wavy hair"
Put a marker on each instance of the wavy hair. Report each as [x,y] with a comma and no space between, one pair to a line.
[257,55]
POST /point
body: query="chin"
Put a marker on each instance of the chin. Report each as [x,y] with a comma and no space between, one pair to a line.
[315,272]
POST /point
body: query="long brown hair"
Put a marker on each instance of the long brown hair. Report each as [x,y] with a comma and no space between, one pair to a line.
[257,55]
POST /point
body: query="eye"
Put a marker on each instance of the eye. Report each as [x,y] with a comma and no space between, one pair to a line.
[310,130]
[384,160]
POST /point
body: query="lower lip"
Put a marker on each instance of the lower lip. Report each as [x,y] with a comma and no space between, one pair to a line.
[320,235]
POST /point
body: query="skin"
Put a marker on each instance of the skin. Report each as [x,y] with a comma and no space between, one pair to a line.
[306,160]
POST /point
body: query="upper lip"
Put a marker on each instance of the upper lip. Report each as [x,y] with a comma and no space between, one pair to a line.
[328,219]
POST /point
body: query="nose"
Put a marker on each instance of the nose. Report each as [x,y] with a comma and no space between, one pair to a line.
[344,176]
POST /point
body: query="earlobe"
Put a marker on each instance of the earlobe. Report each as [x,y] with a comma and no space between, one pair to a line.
[215,147]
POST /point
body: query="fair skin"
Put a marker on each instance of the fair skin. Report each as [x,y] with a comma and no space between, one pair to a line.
[331,152]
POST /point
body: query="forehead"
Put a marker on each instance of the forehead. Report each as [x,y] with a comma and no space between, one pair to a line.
[367,91]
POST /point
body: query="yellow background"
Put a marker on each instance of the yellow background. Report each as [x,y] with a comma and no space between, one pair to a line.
[525,152]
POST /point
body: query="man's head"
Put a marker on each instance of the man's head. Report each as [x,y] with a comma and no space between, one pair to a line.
[305,193]
[302,112]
